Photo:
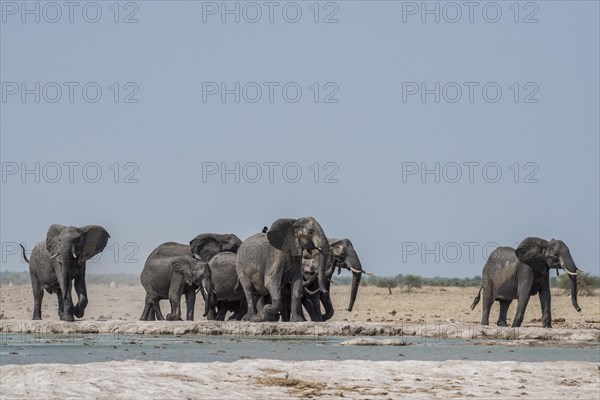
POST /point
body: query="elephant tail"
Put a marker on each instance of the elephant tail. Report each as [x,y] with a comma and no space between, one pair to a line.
[24,255]
[477,298]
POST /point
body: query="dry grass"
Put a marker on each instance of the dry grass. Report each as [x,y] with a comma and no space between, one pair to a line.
[429,305]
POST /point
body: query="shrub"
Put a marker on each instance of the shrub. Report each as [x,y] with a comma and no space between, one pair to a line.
[412,281]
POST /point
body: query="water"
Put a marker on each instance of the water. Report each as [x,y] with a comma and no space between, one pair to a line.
[28,349]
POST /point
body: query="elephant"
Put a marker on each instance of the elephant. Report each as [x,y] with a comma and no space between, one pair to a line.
[227,289]
[518,274]
[190,262]
[342,255]
[169,272]
[61,259]
[267,262]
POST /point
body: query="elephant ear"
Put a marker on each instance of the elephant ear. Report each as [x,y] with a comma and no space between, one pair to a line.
[279,231]
[531,251]
[183,268]
[52,242]
[205,246]
[231,243]
[337,247]
[95,239]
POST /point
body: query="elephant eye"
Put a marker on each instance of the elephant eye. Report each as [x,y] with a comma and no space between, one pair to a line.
[310,231]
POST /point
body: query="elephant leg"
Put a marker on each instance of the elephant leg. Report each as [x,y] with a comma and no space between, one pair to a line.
[545,303]
[190,304]
[241,310]
[251,300]
[297,290]
[82,299]
[222,308]
[326,300]
[61,304]
[38,296]
[147,308]
[521,307]
[504,304]
[151,314]
[488,301]
[156,307]
[310,309]
[175,314]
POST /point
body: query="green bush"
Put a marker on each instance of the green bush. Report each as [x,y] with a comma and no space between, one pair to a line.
[412,281]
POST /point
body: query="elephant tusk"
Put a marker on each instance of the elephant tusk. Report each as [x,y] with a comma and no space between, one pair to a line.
[74,255]
[197,257]
[569,272]
[320,249]
[579,270]
[54,255]
[359,271]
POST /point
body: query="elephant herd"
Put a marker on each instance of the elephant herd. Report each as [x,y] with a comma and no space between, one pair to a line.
[275,274]
[279,273]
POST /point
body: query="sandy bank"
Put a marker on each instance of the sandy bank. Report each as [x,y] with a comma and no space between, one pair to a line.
[271,379]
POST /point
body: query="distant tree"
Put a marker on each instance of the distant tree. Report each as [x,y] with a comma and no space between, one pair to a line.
[412,281]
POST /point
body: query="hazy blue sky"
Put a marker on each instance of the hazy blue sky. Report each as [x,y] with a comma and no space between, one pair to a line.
[371,61]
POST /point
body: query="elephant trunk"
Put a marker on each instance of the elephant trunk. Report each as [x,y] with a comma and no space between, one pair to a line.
[567,263]
[322,269]
[353,263]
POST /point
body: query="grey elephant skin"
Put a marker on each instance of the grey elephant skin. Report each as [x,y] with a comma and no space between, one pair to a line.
[59,262]
[342,256]
[171,271]
[518,274]
[228,292]
[267,262]
[174,269]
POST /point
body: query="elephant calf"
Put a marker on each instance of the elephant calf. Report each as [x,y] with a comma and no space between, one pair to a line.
[169,272]
[61,259]
[512,274]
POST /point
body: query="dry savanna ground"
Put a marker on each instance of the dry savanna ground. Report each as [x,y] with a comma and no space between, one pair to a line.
[428,305]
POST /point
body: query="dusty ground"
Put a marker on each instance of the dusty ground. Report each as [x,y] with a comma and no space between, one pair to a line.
[273,379]
[429,305]
[429,312]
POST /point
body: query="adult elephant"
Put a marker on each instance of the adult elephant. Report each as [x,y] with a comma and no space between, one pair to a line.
[342,256]
[228,293]
[518,274]
[267,262]
[173,269]
[59,261]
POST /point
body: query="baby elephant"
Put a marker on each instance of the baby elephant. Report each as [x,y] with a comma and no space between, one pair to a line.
[169,272]
[58,261]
